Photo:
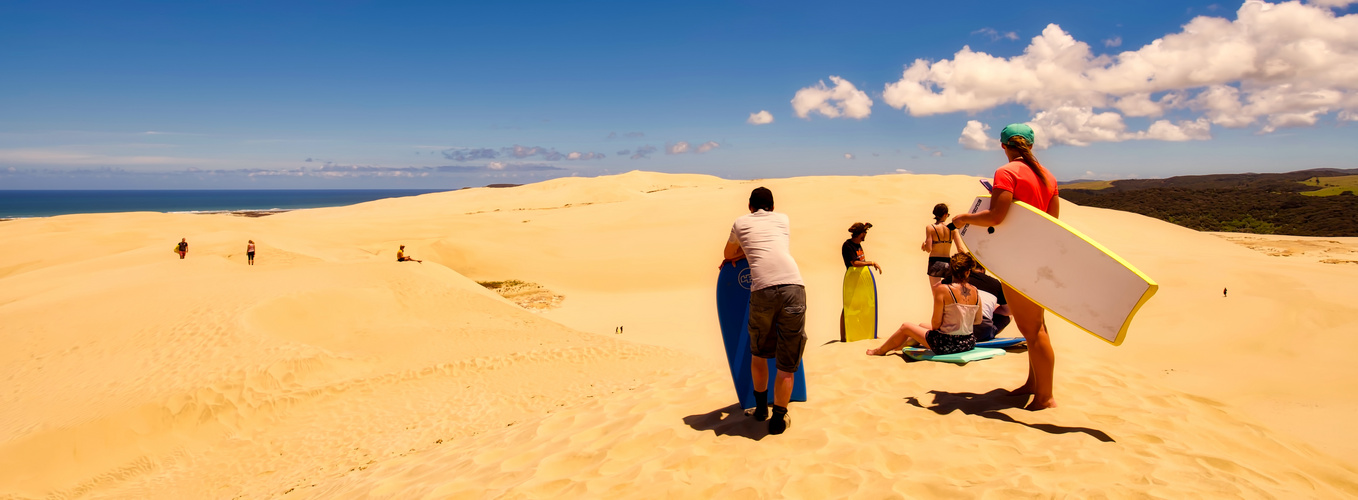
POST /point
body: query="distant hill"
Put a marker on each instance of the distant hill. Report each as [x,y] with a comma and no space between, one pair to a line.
[1252,203]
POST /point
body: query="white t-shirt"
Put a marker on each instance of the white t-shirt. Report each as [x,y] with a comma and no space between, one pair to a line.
[765,236]
[988,304]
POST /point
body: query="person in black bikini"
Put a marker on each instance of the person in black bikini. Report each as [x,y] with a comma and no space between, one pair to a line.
[938,238]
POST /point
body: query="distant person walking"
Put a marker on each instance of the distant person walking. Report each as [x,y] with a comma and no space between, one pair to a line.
[938,238]
[852,252]
[1024,179]
[1223,292]
[250,251]
[777,303]
[402,257]
[182,247]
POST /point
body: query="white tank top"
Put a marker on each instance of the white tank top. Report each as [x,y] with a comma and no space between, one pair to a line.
[958,317]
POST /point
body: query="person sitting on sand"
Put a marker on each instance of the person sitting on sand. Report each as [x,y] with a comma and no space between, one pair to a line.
[956,312]
[1024,179]
[994,309]
[938,238]
[402,257]
[777,322]
[183,247]
[852,251]
[250,251]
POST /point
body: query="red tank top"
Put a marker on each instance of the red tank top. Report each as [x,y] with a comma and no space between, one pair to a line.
[1016,177]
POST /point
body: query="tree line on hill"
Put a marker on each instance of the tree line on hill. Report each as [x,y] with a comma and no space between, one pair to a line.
[1248,203]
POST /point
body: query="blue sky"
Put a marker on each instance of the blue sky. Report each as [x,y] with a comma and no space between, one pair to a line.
[437,95]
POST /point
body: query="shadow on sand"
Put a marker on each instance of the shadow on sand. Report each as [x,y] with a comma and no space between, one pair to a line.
[988,405]
[729,421]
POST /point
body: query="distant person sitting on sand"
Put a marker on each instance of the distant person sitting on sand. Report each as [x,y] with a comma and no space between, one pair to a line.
[852,251]
[402,257]
[250,251]
[777,322]
[956,312]
[183,247]
[938,238]
[994,308]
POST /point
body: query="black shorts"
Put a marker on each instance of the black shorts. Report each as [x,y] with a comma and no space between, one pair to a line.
[778,325]
[250,254]
[938,267]
[942,343]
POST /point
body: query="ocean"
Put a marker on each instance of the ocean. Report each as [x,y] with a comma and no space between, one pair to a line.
[17,204]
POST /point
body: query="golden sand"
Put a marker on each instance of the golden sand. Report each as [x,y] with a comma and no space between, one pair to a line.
[328,370]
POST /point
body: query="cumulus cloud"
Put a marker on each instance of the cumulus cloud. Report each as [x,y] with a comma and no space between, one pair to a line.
[643,152]
[1113,42]
[676,148]
[706,146]
[904,171]
[844,99]
[760,118]
[576,155]
[849,156]
[1273,66]
[975,136]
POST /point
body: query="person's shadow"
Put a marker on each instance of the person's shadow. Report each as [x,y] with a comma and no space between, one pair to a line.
[988,405]
[729,421]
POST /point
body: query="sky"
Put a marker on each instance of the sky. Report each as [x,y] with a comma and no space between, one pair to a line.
[355,94]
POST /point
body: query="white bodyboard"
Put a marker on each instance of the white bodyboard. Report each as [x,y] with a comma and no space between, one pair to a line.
[1061,269]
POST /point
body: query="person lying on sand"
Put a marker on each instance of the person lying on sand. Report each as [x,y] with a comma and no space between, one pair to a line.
[956,311]
[402,257]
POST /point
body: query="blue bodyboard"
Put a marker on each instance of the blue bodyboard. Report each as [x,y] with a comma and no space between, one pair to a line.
[1001,343]
[733,312]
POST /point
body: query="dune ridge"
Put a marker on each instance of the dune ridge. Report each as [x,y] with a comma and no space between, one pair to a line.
[328,370]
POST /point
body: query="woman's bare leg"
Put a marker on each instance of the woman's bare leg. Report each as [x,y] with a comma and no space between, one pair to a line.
[896,340]
[1031,321]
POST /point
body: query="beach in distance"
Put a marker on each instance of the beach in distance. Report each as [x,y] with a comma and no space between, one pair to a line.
[593,364]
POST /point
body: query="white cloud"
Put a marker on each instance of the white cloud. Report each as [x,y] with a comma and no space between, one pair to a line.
[676,148]
[760,118]
[848,156]
[706,146]
[903,171]
[974,136]
[995,35]
[1113,42]
[843,100]
[1273,66]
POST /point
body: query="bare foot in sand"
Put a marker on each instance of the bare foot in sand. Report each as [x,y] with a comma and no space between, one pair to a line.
[872,352]
[1039,404]
[1023,390]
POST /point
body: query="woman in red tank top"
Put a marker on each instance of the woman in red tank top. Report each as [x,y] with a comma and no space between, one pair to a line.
[1024,179]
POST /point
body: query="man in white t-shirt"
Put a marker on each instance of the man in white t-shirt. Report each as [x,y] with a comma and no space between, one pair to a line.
[777,303]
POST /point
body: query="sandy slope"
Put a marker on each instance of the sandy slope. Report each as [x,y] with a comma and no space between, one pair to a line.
[329,370]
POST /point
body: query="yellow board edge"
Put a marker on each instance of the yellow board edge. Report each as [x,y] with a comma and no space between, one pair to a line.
[1151,287]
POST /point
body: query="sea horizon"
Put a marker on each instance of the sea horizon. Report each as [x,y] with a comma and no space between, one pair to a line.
[28,203]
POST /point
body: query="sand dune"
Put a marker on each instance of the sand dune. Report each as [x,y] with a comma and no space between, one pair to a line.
[330,370]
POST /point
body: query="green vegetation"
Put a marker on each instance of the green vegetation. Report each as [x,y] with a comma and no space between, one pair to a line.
[1089,185]
[1331,186]
[1250,203]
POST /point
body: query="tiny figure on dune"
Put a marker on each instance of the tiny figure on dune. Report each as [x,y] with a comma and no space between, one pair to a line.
[250,251]
[402,257]
[183,247]
[1223,293]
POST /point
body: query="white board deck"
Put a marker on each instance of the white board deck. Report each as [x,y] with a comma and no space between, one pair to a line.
[1061,269]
